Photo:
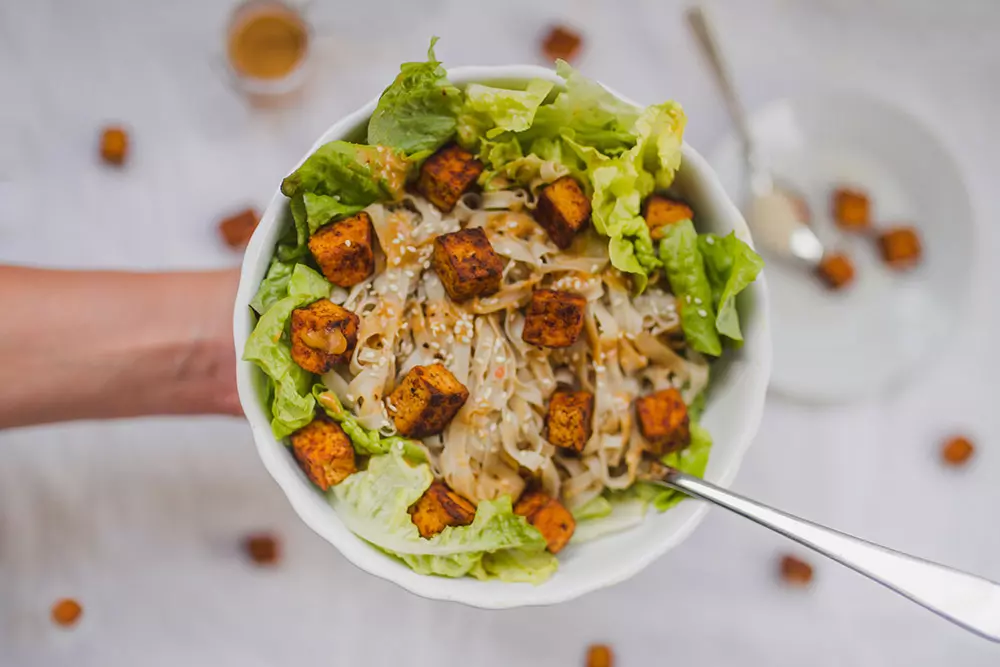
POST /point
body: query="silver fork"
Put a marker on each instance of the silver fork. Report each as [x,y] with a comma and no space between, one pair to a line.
[964,599]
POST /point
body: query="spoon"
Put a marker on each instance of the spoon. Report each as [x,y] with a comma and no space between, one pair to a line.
[964,599]
[774,217]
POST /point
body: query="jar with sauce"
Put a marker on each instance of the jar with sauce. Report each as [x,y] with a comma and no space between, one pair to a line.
[267,47]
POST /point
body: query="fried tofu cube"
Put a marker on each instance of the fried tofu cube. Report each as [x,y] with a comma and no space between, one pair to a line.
[836,270]
[851,209]
[324,452]
[796,571]
[569,420]
[900,247]
[447,174]
[563,210]
[237,229]
[561,43]
[467,264]
[344,251]
[439,508]
[554,319]
[426,400]
[663,421]
[114,145]
[549,516]
[660,212]
[323,335]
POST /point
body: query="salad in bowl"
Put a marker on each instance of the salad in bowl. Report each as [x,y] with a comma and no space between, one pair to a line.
[485,305]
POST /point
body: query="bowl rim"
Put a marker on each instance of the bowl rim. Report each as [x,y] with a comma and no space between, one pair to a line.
[503,595]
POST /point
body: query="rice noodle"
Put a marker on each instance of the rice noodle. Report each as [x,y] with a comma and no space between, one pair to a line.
[497,440]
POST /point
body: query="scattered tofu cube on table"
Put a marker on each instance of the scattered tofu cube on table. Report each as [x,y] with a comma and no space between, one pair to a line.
[554,318]
[426,401]
[901,247]
[467,264]
[323,335]
[114,145]
[344,251]
[237,229]
[561,43]
[447,174]
[836,270]
[563,210]
[851,209]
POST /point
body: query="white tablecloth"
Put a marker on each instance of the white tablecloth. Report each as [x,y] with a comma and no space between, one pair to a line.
[141,520]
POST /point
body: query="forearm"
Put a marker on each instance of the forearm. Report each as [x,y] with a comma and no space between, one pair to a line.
[92,345]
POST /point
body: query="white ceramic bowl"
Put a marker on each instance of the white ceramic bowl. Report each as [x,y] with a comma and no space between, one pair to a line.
[734,408]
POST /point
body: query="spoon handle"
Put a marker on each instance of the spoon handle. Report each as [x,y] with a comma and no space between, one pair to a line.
[964,599]
[703,31]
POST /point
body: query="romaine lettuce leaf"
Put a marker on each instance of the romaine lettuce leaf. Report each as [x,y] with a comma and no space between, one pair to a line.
[292,405]
[516,565]
[417,112]
[506,165]
[626,509]
[321,209]
[366,441]
[595,508]
[273,287]
[373,504]
[621,183]
[730,265]
[693,460]
[352,174]
[489,112]
[586,112]
[685,271]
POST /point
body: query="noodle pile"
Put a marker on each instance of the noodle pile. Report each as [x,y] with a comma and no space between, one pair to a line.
[631,345]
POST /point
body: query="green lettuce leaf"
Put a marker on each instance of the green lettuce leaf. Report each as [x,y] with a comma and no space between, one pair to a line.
[417,112]
[321,209]
[352,174]
[489,112]
[621,183]
[625,509]
[516,565]
[730,265]
[506,164]
[595,508]
[693,460]
[292,406]
[586,112]
[685,271]
[373,504]
[273,287]
[367,442]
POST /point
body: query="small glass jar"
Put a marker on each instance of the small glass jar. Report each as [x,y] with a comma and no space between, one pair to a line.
[268,46]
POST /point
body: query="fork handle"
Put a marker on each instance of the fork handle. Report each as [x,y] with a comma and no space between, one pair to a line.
[964,599]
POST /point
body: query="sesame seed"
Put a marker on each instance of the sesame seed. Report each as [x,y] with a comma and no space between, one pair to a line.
[688,298]
[347,243]
[697,301]
[709,240]
[701,312]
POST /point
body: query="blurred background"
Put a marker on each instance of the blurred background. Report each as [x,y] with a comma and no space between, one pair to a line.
[142,521]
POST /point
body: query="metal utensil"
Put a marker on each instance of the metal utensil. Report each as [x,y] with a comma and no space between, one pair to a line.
[774,217]
[964,599]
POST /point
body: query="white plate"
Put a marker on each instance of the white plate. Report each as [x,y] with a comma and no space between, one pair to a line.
[841,346]
[735,404]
